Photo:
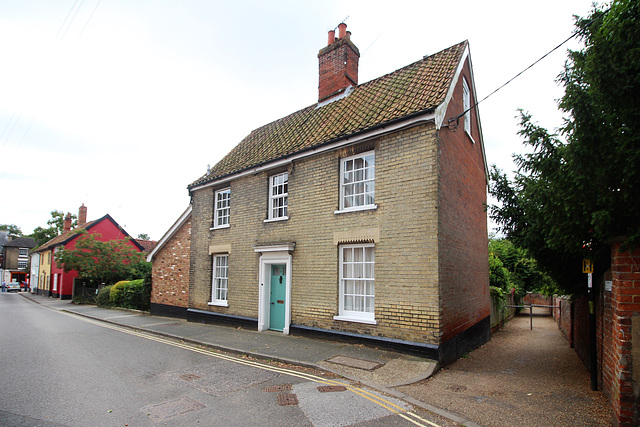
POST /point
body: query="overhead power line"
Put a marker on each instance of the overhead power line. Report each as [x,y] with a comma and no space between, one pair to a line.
[573,35]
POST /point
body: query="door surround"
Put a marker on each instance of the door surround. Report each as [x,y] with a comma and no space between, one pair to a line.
[271,255]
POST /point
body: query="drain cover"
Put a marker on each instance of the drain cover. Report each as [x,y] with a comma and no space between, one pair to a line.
[190,377]
[164,411]
[277,388]
[330,388]
[287,399]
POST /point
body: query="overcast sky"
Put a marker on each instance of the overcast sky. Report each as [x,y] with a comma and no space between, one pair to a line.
[121,104]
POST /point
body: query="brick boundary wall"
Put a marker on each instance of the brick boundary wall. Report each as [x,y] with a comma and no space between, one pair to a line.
[563,316]
[617,332]
[621,332]
[537,299]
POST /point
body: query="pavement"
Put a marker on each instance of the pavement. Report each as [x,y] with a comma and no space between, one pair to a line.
[475,390]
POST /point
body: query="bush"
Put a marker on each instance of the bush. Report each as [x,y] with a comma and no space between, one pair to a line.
[133,295]
[103,298]
[115,296]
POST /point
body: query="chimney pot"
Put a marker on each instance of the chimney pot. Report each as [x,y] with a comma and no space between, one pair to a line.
[342,30]
[338,65]
[332,37]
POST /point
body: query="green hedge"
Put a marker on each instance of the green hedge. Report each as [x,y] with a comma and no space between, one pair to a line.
[133,294]
[103,299]
[115,296]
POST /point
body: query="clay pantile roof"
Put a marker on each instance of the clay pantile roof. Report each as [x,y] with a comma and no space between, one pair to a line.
[64,237]
[148,245]
[417,88]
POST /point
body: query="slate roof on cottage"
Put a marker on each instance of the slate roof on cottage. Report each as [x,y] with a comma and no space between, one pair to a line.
[415,89]
[21,242]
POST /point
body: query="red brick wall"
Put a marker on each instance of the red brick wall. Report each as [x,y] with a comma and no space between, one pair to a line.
[563,316]
[623,307]
[581,327]
[170,272]
[536,299]
[463,251]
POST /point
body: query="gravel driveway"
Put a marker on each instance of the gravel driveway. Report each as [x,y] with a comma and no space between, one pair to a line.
[522,377]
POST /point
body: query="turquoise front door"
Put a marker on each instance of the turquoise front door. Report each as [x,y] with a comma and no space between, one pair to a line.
[278,295]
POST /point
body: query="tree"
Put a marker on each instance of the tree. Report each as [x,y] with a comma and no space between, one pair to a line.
[511,268]
[13,229]
[57,221]
[56,227]
[101,262]
[143,236]
[568,198]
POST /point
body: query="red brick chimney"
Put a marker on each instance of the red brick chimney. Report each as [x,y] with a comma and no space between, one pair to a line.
[338,63]
[67,223]
[82,215]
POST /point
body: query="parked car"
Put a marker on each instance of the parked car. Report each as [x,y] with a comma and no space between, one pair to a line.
[13,286]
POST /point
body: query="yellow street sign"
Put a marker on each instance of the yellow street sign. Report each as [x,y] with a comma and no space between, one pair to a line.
[587,266]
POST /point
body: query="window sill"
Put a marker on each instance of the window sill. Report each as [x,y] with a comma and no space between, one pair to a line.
[343,318]
[219,303]
[220,227]
[284,218]
[356,209]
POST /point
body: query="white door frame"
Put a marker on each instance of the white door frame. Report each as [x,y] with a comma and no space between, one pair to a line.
[271,255]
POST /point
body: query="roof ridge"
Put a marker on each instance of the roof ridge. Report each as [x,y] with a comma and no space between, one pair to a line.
[413,89]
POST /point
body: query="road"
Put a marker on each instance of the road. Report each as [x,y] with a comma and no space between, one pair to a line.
[59,369]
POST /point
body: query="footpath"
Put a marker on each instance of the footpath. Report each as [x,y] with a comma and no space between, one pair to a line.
[521,377]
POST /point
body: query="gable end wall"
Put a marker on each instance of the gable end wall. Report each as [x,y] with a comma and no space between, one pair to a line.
[463,245]
[170,274]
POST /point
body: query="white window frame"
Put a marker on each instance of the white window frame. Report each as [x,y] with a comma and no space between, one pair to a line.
[360,316]
[278,193]
[220,280]
[220,220]
[466,105]
[22,264]
[364,180]
[23,252]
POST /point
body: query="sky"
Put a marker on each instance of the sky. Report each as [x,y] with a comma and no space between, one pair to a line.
[119,105]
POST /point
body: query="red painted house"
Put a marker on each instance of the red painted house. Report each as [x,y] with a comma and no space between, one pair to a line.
[60,283]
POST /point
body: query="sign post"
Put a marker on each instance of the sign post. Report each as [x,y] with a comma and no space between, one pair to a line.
[587,267]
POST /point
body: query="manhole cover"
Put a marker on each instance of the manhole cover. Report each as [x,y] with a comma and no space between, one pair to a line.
[277,388]
[330,388]
[287,399]
[190,377]
[355,363]
[164,411]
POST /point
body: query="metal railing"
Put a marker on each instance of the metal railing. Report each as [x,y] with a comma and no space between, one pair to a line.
[530,306]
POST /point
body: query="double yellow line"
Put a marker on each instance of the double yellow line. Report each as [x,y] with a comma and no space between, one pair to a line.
[390,406]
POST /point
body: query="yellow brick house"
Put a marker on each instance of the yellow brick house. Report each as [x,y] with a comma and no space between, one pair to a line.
[360,216]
